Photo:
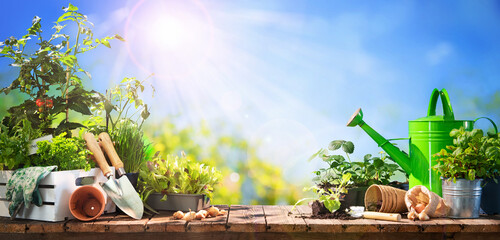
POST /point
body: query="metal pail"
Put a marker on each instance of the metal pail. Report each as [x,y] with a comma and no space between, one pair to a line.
[463,197]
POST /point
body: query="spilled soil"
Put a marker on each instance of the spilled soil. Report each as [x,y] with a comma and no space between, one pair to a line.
[319,211]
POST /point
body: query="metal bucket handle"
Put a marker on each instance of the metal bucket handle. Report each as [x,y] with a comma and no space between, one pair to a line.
[491,121]
[447,109]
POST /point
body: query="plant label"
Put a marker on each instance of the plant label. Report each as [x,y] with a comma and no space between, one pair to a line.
[32,148]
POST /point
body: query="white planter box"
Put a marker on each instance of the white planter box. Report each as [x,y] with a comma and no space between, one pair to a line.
[55,188]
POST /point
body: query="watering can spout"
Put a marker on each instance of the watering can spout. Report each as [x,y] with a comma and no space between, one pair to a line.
[399,157]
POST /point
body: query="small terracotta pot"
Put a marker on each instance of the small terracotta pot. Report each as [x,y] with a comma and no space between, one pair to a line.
[87,203]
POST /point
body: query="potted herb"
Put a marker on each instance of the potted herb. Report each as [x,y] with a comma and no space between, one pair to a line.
[125,113]
[471,159]
[177,183]
[371,170]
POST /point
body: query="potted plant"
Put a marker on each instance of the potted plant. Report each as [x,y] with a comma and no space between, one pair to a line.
[471,159]
[372,170]
[177,183]
[125,113]
[327,200]
[50,80]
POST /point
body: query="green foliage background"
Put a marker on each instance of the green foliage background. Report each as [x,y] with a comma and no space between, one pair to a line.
[259,182]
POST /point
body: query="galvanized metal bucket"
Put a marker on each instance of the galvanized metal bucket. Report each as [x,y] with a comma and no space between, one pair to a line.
[463,197]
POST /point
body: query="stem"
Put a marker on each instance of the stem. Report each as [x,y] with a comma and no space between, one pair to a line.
[348,158]
[67,84]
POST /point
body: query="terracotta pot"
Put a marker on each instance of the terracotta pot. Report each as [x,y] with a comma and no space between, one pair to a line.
[87,203]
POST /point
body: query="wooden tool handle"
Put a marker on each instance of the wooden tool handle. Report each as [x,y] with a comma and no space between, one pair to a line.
[108,147]
[396,217]
[99,158]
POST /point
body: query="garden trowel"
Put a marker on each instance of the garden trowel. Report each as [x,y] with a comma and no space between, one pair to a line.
[120,190]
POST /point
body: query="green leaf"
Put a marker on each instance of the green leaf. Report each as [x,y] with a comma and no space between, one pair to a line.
[334,145]
[106,43]
[80,107]
[119,37]
[70,8]
[315,155]
[348,147]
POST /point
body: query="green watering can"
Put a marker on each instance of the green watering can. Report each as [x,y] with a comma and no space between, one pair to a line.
[428,135]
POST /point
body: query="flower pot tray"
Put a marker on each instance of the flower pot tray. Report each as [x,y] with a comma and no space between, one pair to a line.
[178,202]
[55,188]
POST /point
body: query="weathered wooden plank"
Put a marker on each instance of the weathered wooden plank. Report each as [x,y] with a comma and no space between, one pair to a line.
[318,225]
[98,225]
[12,226]
[246,219]
[360,226]
[405,225]
[278,220]
[213,224]
[45,227]
[479,225]
[159,223]
[442,225]
[123,223]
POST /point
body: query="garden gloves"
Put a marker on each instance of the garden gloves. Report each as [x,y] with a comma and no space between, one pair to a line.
[22,188]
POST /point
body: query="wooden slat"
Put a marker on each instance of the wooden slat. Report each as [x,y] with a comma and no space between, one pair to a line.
[12,226]
[213,224]
[405,225]
[45,227]
[479,225]
[318,225]
[442,225]
[278,220]
[124,223]
[159,223]
[98,225]
[246,219]
[360,225]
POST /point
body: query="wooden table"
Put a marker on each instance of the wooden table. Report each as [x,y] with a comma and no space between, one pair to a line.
[251,222]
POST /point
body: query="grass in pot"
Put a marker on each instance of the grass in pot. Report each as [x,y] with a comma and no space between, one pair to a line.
[177,183]
[131,147]
[471,159]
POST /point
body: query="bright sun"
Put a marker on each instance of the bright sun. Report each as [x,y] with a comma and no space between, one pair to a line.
[169,38]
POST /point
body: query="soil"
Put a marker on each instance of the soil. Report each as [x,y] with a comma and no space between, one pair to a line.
[321,212]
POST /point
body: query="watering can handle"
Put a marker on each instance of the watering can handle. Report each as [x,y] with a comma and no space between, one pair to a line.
[448,111]
[491,121]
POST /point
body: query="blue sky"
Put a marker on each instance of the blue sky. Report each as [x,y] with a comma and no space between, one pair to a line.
[289,74]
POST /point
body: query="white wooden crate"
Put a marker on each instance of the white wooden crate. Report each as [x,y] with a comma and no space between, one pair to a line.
[56,189]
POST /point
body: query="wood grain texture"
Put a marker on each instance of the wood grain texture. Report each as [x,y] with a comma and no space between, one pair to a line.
[318,225]
[159,222]
[213,224]
[243,218]
[479,225]
[278,220]
[124,223]
[45,227]
[98,225]
[250,222]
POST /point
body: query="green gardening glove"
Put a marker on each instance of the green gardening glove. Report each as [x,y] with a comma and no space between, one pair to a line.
[22,188]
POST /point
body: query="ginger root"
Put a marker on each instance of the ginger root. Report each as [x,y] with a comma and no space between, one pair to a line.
[424,204]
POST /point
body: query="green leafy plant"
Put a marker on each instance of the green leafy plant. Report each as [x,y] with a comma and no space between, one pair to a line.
[372,170]
[177,175]
[51,76]
[14,145]
[65,153]
[329,197]
[471,156]
[125,112]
